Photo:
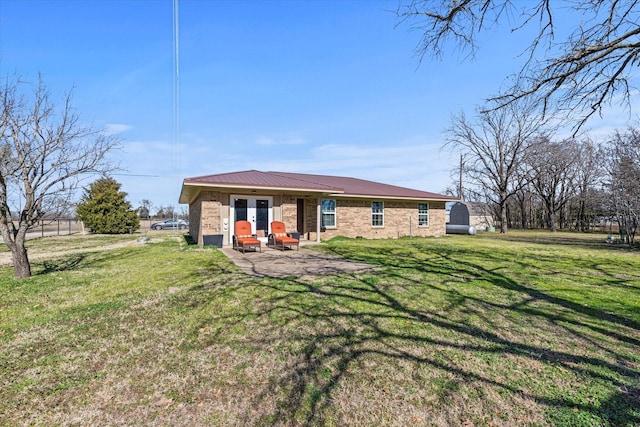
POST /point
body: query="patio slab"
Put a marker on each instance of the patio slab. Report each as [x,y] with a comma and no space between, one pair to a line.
[277,263]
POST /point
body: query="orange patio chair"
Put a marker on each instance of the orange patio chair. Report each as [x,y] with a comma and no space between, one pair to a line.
[279,237]
[243,239]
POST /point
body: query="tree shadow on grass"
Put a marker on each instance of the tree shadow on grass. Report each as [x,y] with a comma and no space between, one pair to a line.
[458,263]
[331,328]
[309,391]
[66,263]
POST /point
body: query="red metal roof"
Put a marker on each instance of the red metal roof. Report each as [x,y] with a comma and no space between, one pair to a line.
[324,184]
[361,187]
[254,178]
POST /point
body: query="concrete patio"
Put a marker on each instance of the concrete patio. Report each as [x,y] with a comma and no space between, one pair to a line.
[303,263]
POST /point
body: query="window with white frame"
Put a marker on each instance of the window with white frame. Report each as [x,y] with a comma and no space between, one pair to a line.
[423,214]
[328,207]
[377,214]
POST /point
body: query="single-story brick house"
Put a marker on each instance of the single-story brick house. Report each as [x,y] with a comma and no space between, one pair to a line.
[316,206]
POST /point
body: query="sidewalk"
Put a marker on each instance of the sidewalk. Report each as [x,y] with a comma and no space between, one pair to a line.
[276,263]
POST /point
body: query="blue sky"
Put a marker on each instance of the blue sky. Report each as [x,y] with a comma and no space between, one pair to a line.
[324,86]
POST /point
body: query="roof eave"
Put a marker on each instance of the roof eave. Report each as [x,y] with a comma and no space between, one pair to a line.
[376,196]
[183,197]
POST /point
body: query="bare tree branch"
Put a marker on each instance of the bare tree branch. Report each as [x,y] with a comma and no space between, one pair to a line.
[45,153]
[494,146]
[575,78]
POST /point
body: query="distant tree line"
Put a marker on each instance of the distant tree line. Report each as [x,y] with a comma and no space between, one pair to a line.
[148,210]
[578,58]
[533,180]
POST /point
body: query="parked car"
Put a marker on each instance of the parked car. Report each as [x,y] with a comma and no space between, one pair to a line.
[169,224]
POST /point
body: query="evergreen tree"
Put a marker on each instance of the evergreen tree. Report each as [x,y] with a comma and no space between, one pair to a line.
[105,210]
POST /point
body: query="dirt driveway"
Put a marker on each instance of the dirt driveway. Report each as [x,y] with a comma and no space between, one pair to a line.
[5,254]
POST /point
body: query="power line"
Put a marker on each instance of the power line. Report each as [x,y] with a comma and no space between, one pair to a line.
[135,174]
[176,93]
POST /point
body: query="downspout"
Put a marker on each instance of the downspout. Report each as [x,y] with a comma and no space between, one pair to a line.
[318,219]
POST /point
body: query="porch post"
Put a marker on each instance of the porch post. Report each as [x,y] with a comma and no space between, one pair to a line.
[318,219]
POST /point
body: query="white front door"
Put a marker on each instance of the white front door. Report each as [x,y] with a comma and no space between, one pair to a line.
[255,209]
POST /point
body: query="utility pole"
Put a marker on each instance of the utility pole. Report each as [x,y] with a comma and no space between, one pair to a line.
[460,178]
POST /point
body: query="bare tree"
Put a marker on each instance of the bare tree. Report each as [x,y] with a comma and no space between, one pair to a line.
[494,146]
[624,180]
[144,211]
[165,211]
[592,209]
[554,174]
[45,153]
[522,206]
[588,180]
[580,74]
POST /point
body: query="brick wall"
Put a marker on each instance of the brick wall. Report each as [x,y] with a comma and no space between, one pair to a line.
[210,214]
[353,219]
[289,212]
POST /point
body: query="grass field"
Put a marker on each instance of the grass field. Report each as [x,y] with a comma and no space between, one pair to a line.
[525,329]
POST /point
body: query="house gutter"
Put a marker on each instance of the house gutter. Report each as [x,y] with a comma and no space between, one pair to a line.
[197,185]
[377,196]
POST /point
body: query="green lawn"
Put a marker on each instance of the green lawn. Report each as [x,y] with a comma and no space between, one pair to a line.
[488,330]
